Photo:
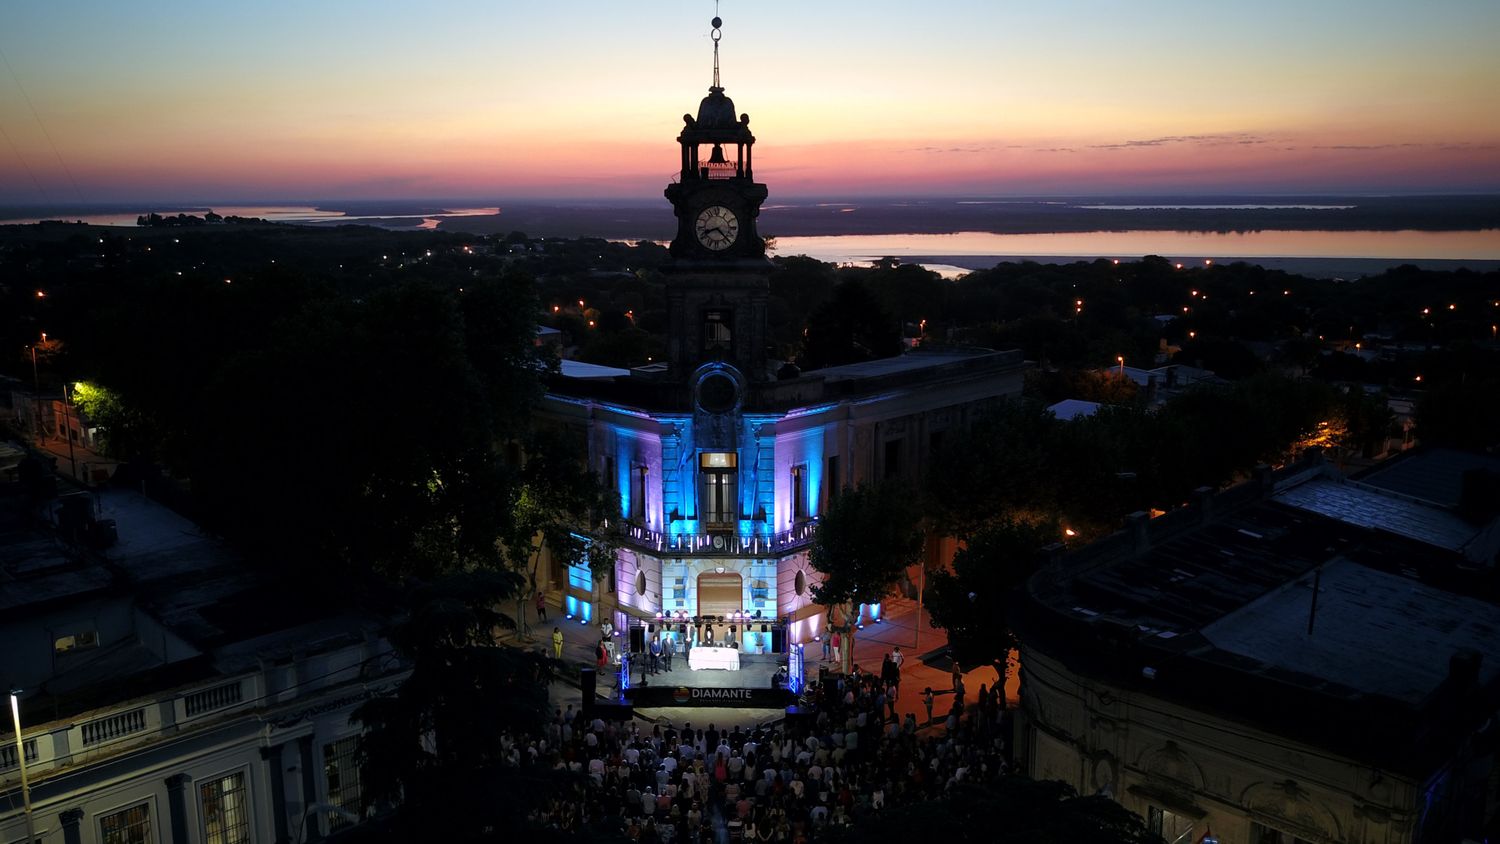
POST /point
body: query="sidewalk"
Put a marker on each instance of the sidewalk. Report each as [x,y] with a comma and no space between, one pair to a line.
[899,629]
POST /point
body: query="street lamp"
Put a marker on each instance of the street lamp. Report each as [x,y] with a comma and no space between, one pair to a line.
[15,720]
[1121,359]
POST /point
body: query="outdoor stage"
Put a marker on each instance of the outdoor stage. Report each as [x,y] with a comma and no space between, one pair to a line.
[750,685]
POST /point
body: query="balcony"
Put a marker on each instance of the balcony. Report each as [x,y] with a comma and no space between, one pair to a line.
[716,544]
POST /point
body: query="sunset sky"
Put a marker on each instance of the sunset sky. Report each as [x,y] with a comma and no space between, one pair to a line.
[208,101]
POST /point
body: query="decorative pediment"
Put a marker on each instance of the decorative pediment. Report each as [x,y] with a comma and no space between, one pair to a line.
[1290,807]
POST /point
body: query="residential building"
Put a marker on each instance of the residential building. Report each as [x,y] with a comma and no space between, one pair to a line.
[168,693]
[1269,671]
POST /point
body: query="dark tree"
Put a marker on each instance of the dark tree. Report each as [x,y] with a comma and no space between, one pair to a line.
[970,602]
[863,545]
[849,328]
[436,745]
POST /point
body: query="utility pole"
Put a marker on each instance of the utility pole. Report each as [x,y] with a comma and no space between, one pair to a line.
[921,589]
[36,391]
[15,716]
[68,423]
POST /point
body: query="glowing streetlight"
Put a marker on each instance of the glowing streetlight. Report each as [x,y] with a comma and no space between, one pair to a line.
[1121,360]
[1069,532]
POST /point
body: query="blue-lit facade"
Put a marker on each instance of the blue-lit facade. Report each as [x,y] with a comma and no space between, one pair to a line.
[724,461]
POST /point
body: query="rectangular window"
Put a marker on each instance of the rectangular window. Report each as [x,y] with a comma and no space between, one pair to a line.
[799,493]
[716,333]
[638,492]
[718,470]
[679,589]
[341,776]
[893,449]
[1172,827]
[580,577]
[76,641]
[759,595]
[1260,834]
[226,814]
[127,826]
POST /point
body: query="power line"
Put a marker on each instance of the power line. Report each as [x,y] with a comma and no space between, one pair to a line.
[47,198]
[48,135]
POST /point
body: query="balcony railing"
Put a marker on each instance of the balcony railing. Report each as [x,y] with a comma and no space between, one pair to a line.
[717,544]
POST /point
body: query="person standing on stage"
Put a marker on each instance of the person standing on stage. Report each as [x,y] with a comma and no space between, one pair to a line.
[837,640]
[667,646]
[655,654]
[557,640]
[708,635]
[729,639]
[827,637]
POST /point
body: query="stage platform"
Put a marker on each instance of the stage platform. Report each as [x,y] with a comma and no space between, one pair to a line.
[682,686]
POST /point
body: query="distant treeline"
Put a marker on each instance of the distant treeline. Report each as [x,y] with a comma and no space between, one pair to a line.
[154,219]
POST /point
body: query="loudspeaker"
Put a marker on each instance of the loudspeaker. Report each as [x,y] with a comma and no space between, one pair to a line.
[778,639]
[651,628]
[637,640]
[587,681]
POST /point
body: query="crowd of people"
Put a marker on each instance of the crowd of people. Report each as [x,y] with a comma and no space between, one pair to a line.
[850,757]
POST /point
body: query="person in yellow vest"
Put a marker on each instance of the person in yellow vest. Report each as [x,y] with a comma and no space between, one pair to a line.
[557,643]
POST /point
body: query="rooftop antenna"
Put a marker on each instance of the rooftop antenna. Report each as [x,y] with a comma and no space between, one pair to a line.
[716,35]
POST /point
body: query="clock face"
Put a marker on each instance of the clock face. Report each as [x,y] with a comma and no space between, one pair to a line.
[717,227]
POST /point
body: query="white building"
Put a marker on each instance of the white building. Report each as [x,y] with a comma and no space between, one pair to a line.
[168,693]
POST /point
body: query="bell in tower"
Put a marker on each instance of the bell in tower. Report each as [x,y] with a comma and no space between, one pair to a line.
[717,279]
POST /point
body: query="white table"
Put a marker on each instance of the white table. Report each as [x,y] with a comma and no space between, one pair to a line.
[703,657]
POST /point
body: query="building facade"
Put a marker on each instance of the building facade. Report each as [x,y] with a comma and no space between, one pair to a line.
[167,694]
[722,458]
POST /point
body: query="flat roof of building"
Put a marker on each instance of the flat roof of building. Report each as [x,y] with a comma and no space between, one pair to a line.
[1373,632]
[911,361]
[1218,609]
[1374,509]
[1431,474]
[1070,409]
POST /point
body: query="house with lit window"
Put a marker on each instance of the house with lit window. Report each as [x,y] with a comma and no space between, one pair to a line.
[722,458]
[166,692]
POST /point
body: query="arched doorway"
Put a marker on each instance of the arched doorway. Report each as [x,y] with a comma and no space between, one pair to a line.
[720,593]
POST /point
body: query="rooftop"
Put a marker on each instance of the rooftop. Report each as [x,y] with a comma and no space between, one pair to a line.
[1363,618]
[1215,600]
[1372,508]
[1434,475]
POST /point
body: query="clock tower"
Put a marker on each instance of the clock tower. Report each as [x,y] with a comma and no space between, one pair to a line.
[718,277]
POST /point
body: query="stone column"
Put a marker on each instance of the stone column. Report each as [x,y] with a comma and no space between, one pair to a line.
[177,786]
[311,822]
[277,777]
[70,819]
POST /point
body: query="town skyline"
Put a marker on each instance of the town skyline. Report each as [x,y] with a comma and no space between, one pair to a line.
[173,102]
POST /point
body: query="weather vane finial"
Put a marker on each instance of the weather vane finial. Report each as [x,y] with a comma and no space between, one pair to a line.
[716,35]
